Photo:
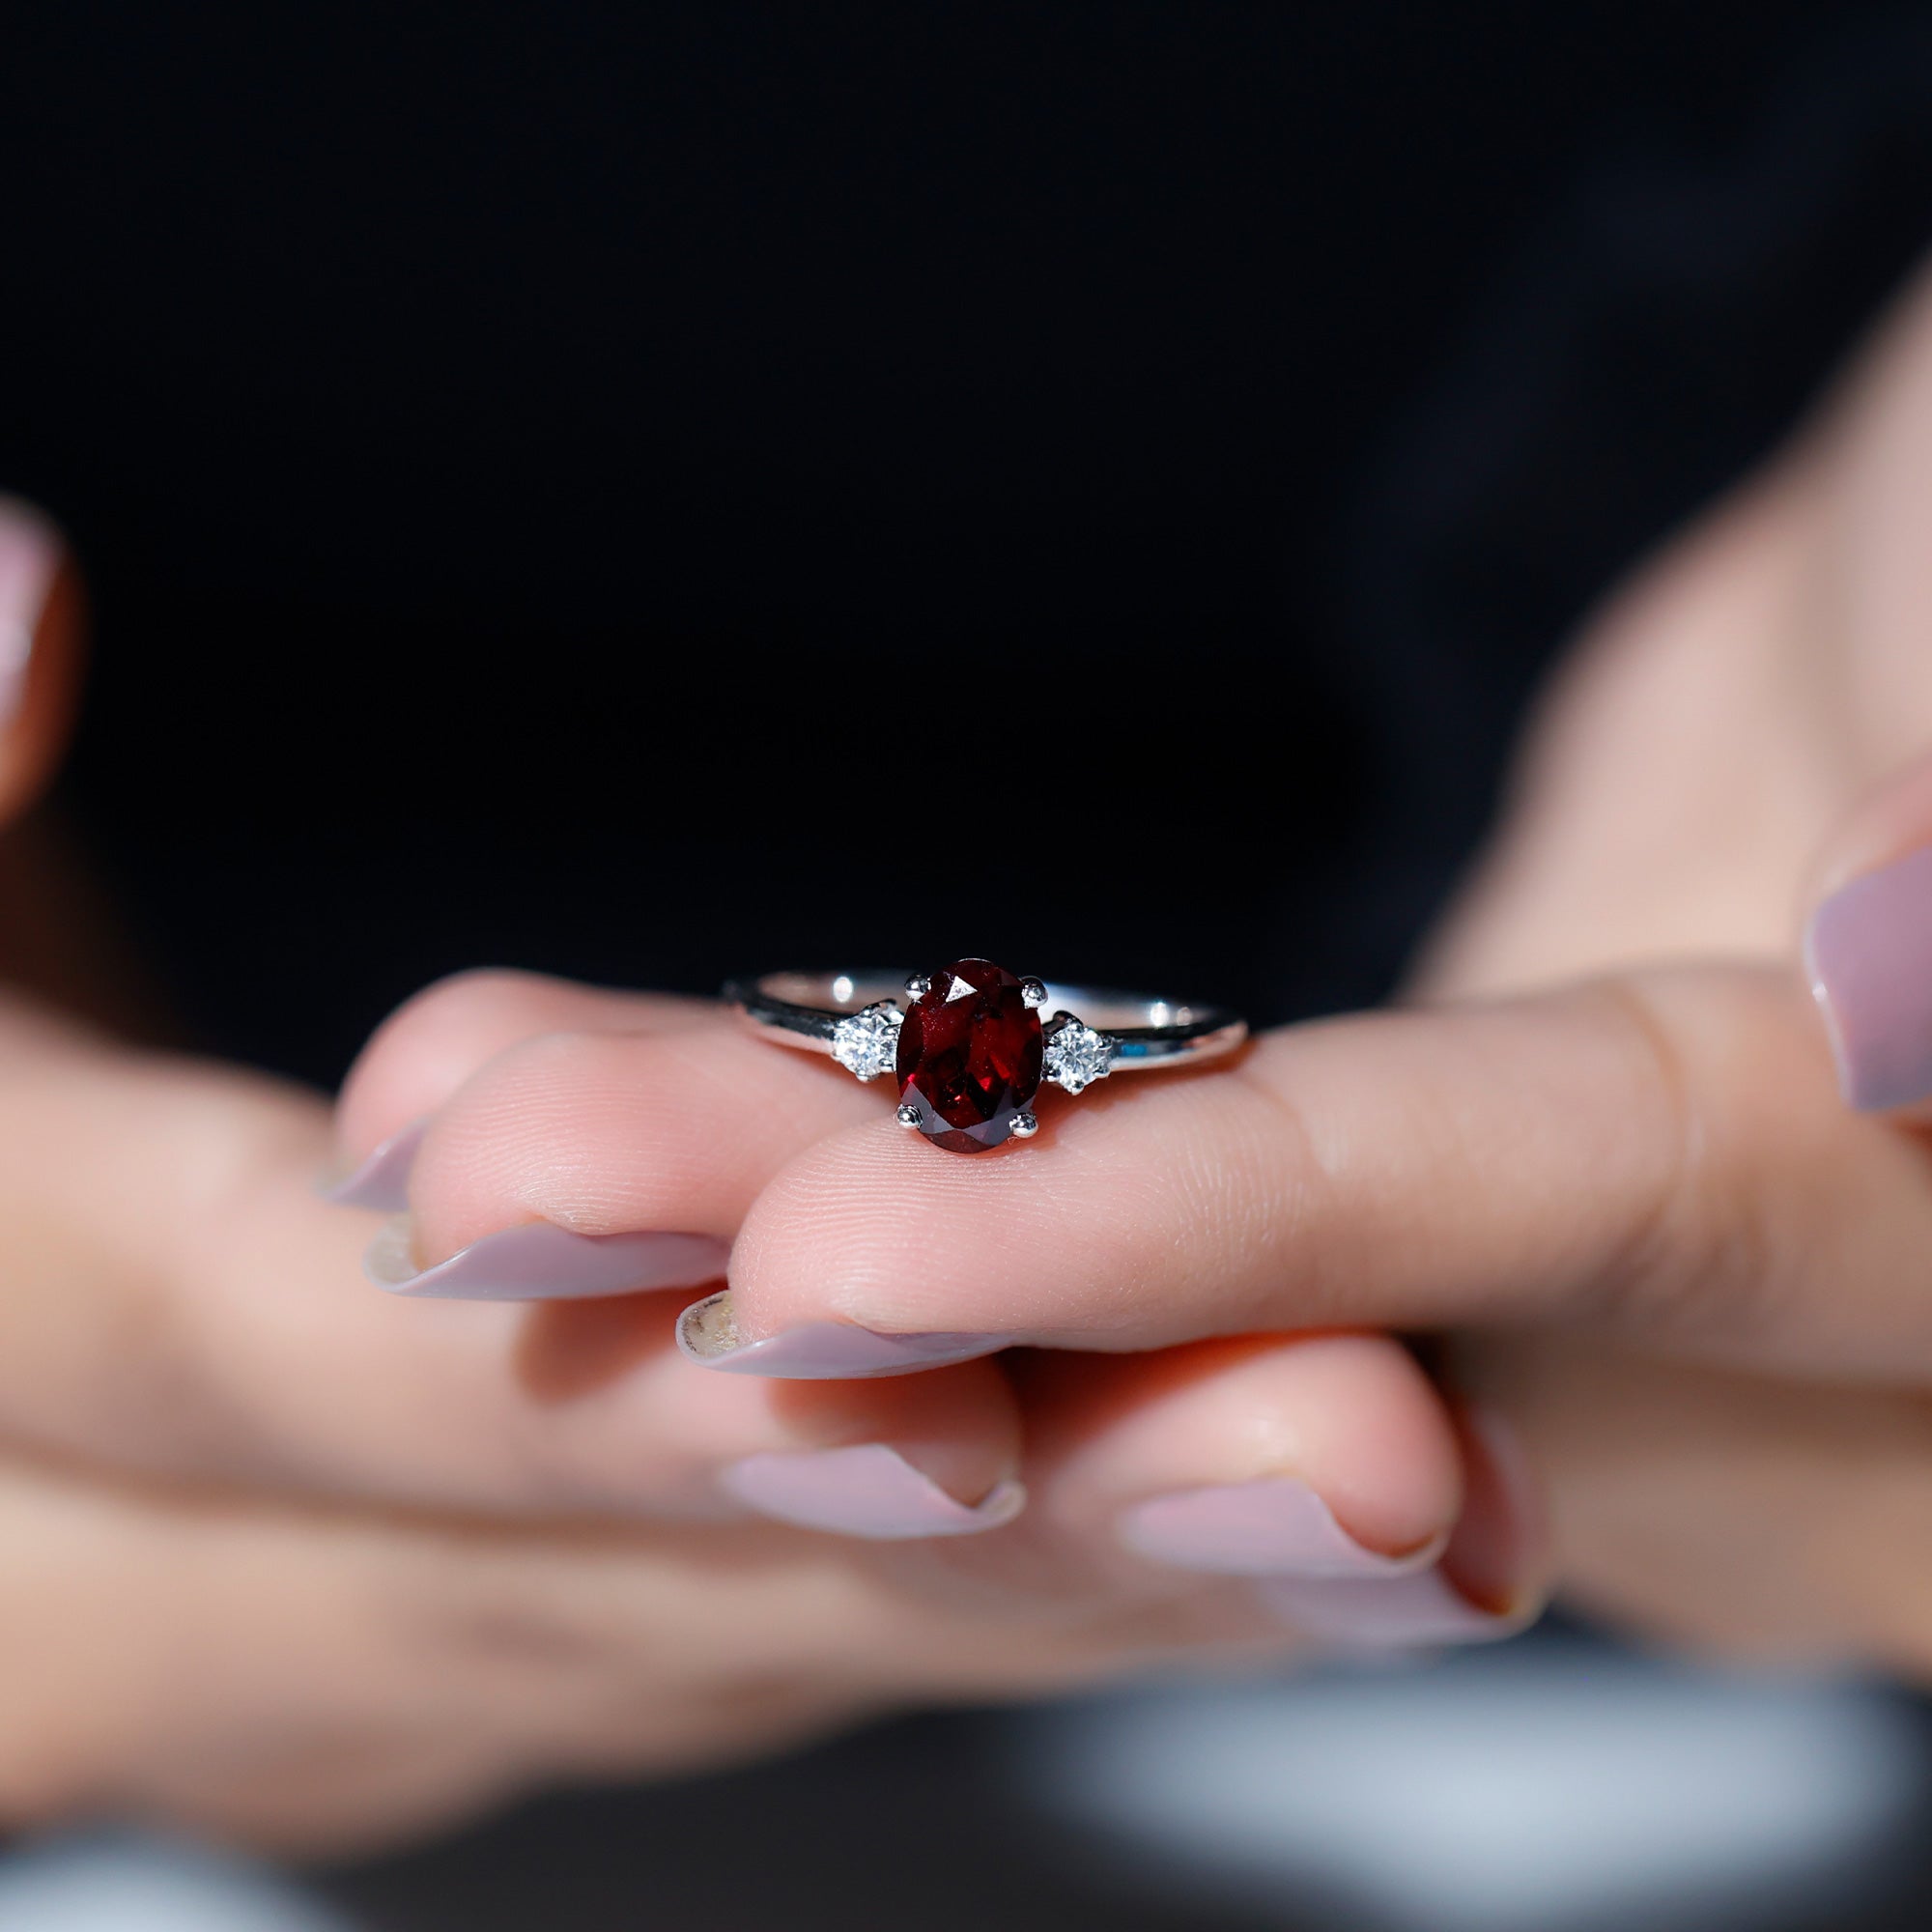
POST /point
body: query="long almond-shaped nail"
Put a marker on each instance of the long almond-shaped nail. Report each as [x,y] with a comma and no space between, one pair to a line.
[382,1181]
[1868,956]
[1275,1526]
[820,1351]
[30,554]
[868,1490]
[545,1263]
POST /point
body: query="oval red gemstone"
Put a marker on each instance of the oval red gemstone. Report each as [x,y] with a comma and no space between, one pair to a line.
[969,1055]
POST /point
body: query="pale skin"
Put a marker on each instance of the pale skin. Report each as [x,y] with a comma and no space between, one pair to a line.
[305,1564]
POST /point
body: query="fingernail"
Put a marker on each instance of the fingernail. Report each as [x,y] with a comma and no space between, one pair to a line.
[1273,1527]
[1398,1613]
[868,1491]
[1486,1584]
[545,1263]
[1868,956]
[30,554]
[820,1351]
[383,1180]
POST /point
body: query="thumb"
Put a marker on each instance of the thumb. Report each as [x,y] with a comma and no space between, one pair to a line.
[1868,946]
[39,649]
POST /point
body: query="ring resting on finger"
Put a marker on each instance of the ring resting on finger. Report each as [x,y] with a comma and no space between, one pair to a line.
[971,1044]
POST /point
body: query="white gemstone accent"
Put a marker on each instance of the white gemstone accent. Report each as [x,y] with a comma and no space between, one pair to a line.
[1076,1056]
[868,1043]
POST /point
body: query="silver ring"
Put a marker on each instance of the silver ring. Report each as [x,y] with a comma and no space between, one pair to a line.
[971,1044]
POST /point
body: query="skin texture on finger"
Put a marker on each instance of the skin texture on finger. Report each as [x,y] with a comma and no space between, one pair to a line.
[1662,1153]
[602,1133]
[433,1042]
[215,1324]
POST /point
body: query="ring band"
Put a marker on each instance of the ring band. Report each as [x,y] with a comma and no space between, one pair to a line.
[972,1043]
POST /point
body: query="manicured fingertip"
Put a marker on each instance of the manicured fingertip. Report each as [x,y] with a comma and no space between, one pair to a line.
[30,557]
[868,1490]
[382,1181]
[708,1334]
[543,1262]
[1499,1553]
[1868,959]
[1488,1583]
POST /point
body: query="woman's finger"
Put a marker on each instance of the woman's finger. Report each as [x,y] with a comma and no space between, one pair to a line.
[326,1678]
[1661,1153]
[1264,1491]
[678,1129]
[1308,1456]
[432,1043]
[179,1301]
[40,652]
[1754,1517]
[1325,1469]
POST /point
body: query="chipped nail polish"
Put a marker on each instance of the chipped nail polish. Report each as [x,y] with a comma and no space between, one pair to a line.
[819,1350]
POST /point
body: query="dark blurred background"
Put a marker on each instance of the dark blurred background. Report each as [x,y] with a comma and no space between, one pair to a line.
[650,491]
[643,492]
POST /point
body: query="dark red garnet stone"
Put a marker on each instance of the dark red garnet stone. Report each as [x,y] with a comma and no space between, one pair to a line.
[969,1055]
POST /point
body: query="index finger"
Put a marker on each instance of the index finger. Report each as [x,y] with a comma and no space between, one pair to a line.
[1662,1151]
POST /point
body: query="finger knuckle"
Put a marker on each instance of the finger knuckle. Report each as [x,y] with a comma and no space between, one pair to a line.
[456,1011]
[1698,1241]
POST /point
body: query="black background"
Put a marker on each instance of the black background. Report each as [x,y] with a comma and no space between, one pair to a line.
[654,491]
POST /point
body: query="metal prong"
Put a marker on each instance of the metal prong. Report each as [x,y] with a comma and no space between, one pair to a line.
[1034,993]
[908,1116]
[1023,1127]
[920,984]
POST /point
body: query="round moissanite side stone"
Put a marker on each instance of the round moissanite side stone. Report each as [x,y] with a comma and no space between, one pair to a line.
[969,1055]
[1076,1056]
[868,1043]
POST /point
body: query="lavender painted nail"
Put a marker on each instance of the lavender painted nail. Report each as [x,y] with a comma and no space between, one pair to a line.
[1868,956]
[1413,1612]
[869,1491]
[820,1351]
[1275,1526]
[544,1263]
[30,554]
[383,1180]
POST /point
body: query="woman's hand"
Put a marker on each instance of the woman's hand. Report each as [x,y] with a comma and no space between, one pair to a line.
[1769,678]
[294,1560]
[1612,1156]
[303,1561]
